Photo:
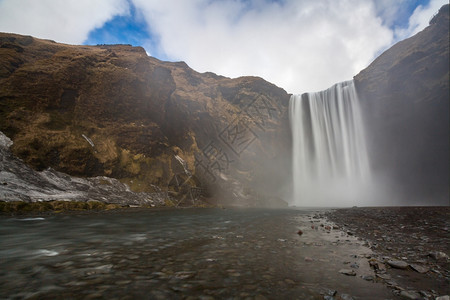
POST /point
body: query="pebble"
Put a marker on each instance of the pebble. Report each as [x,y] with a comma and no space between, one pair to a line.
[419,268]
[184,275]
[438,255]
[354,265]
[289,281]
[94,296]
[425,294]
[384,276]
[331,292]
[367,277]
[347,272]
[410,295]
[398,264]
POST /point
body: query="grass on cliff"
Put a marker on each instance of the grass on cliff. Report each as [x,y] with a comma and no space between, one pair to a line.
[55,206]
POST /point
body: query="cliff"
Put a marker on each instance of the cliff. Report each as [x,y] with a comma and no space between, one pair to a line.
[114,111]
[111,110]
[405,98]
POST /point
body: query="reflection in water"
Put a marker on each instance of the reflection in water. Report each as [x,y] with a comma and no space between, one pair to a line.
[173,254]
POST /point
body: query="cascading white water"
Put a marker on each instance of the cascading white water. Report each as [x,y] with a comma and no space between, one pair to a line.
[330,161]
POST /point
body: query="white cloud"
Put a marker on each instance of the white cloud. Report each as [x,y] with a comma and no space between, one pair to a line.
[68,21]
[420,18]
[301,46]
[298,45]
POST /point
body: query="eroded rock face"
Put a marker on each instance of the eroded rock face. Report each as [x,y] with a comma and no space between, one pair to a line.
[113,111]
[405,97]
[21,183]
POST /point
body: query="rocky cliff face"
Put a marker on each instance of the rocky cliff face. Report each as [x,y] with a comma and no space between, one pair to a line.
[405,96]
[160,126]
[114,111]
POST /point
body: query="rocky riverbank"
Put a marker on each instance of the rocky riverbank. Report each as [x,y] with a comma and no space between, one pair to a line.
[411,246]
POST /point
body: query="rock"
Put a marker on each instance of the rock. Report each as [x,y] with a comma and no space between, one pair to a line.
[398,264]
[354,265]
[446,297]
[184,275]
[438,255]
[347,272]
[94,296]
[419,268]
[425,294]
[384,276]
[5,141]
[289,281]
[410,295]
[367,277]
[389,87]
[376,265]
[346,297]
[139,118]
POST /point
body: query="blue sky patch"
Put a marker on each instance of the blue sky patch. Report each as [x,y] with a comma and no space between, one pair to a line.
[128,29]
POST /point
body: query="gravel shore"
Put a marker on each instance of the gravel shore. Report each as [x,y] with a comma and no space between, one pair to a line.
[411,246]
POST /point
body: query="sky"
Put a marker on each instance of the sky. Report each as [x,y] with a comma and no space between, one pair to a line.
[299,45]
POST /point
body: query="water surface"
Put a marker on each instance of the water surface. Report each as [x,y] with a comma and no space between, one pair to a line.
[180,254]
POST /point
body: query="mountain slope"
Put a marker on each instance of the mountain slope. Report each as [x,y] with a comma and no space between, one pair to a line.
[114,111]
[405,97]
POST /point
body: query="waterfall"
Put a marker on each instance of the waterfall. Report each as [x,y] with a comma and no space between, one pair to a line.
[330,161]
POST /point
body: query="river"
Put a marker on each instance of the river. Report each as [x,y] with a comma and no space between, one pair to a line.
[181,254]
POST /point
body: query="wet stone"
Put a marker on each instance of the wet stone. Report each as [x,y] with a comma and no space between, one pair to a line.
[410,295]
[354,265]
[330,292]
[346,297]
[184,275]
[419,268]
[289,281]
[384,276]
[398,264]
[438,255]
[94,296]
[347,272]
[368,277]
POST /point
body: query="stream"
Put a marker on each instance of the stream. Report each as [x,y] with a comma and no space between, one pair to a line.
[182,254]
